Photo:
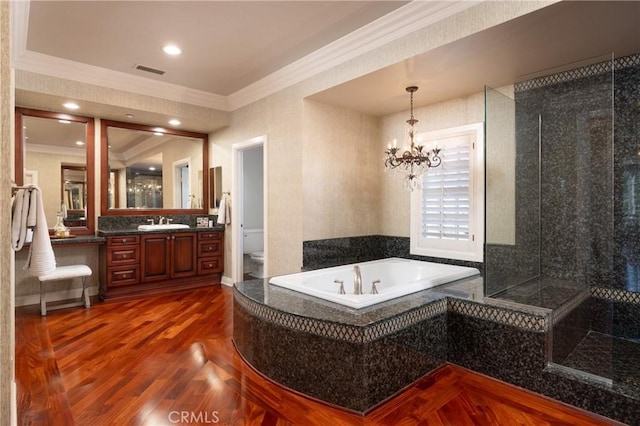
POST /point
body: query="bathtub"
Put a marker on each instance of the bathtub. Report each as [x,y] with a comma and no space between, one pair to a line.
[398,277]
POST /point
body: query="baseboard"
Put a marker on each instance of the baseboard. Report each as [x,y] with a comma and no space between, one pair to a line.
[54,296]
[226,281]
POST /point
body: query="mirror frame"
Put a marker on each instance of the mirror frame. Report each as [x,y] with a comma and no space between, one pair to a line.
[104,170]
[20,154]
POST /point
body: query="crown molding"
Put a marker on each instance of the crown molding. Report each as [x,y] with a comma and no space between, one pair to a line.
[402,21]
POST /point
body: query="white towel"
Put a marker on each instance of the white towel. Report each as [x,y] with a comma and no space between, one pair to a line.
[19,214]
[224,212]
[40,259]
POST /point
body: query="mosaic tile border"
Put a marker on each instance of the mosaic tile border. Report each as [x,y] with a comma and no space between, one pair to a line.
[339,331]
[523,320]
[574,74]
[615,294]
[355,334]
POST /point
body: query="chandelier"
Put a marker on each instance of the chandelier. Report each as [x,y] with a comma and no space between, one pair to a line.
[413,159]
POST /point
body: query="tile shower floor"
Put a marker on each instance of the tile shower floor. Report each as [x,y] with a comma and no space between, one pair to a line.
[609,357]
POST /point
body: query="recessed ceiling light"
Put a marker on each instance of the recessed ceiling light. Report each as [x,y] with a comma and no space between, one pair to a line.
[152,168]
[79,143]
[158,133]
[129,115]
[174,122]
[172,49]
[71,105]
[64,122]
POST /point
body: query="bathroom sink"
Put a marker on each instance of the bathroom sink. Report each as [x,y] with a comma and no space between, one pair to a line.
[162,227]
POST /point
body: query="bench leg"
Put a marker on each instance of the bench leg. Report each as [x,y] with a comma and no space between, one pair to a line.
[43,301]
[85,293]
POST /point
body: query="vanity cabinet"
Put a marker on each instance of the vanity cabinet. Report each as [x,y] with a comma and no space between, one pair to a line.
[210,250]
[149,263]
[166,256]
[123,261]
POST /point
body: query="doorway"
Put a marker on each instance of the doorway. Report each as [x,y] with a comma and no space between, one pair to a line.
[249,236]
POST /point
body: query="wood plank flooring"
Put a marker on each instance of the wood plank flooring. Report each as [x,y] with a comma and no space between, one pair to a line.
[169,359]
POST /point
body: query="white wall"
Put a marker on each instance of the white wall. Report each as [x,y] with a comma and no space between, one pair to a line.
[253,202]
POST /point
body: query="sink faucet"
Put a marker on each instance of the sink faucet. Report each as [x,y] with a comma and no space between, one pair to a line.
[357,280]
[152,221]
[160,220]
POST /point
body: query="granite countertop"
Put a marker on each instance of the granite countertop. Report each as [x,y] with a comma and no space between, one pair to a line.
[135,231]
[77,239]
[292,302]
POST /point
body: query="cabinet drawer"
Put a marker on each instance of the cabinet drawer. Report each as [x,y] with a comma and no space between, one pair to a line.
[211,265]
[123,240]
[123,275]
[120,255]
[209,248]
[209,235]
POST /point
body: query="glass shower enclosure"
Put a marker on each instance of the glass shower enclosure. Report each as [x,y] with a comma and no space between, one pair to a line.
[562,216]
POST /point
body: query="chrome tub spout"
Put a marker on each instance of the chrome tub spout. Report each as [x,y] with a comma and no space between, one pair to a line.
[357,280]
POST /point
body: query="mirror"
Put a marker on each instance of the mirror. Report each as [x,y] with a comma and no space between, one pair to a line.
[147,170]
[74,194]
[55,152]
[215,174]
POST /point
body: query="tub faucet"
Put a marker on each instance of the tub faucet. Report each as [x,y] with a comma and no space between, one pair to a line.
[357,281]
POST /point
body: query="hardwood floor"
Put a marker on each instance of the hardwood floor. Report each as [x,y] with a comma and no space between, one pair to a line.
[169,359]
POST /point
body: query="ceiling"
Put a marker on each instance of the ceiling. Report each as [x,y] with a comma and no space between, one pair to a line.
[229,46]
[226,45]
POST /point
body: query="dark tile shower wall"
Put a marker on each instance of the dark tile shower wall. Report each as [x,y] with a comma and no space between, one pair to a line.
[576,173]
[590,225]
[318,254]
[627,175]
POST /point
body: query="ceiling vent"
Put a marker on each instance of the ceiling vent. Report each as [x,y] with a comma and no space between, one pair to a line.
[149,69]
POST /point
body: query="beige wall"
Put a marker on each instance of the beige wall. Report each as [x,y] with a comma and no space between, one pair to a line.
[279,117]
[7,316]
[501,167]
[341,173]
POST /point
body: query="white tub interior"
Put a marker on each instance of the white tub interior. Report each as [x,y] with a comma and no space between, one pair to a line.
[398,277]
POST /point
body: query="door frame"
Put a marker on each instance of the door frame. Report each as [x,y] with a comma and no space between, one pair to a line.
[237,189]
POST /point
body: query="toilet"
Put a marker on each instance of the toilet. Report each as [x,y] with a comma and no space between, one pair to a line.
[253,247]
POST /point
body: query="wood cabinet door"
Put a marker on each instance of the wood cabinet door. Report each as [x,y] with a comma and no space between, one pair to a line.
[156,257]
[184,255]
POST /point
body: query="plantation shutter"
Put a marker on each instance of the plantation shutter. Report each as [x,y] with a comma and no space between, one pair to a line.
[446,194]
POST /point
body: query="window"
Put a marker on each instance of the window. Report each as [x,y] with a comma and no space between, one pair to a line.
[447,213]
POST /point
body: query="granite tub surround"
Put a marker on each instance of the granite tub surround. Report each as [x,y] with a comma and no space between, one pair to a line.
[342,372]
[358,358]
[318,254]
